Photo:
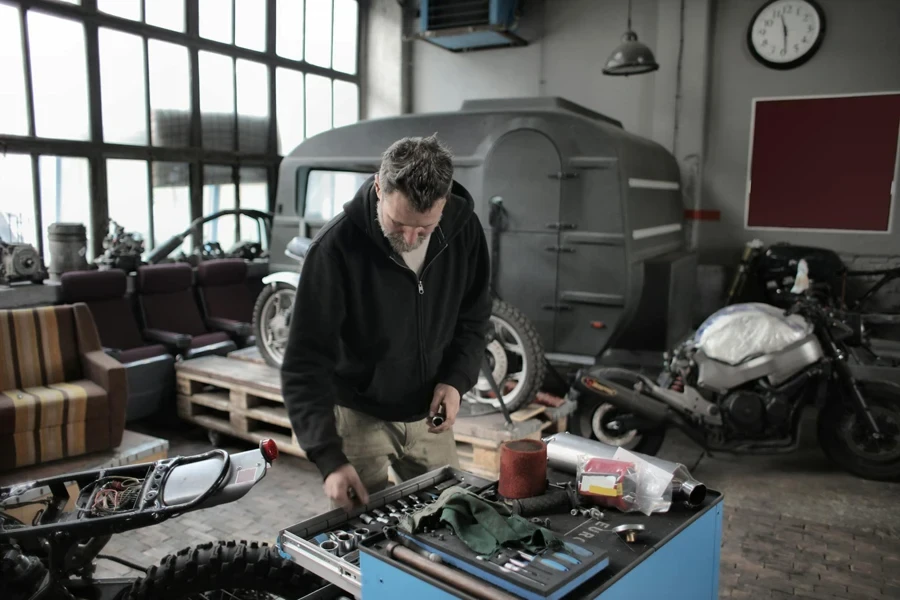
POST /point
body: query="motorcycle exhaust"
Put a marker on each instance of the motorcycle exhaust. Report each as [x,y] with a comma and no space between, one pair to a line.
[565,449]
[628,400]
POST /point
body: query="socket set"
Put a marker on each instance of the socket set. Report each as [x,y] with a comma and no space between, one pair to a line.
[328,544]
[549,574]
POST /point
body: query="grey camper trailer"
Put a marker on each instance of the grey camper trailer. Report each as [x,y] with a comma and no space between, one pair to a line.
[591,243]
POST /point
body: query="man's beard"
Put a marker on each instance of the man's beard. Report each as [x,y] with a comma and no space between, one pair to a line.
[396,240]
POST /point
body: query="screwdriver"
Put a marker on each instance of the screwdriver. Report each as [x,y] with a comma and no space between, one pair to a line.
[545,561]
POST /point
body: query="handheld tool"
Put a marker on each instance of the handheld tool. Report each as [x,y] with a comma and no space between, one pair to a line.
[511,568]
[544,561]
[438,419]
[366,519]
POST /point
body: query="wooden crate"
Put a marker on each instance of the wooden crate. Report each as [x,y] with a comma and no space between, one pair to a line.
[240,398]
[478,439]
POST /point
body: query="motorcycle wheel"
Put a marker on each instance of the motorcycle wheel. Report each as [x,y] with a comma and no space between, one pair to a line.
[845,440]
[516,357]
[272,321]
[592,417]
[234,570]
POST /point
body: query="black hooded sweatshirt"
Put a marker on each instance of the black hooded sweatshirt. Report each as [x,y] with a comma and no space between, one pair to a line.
[367,333]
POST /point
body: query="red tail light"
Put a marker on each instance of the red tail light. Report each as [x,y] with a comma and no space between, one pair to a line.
[269,450]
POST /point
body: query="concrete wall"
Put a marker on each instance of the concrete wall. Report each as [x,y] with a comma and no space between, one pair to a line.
[569,42]
[860,53]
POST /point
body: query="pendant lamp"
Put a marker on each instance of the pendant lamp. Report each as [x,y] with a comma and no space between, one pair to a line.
[631,57]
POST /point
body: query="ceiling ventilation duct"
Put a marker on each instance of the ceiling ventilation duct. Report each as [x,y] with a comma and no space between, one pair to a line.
[463,25]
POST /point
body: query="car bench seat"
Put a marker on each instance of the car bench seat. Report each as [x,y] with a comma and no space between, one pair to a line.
[149,368]
[171,315]
[226,299]
[61,395]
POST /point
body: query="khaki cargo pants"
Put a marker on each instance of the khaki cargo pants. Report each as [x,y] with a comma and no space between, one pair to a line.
[373,446]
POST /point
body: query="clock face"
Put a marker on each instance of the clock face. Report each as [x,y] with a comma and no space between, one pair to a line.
[786,33]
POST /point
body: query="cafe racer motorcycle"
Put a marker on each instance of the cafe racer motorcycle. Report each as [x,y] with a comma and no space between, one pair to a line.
[742,387]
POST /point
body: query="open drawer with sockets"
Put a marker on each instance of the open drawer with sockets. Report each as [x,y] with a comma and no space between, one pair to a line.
[328,544]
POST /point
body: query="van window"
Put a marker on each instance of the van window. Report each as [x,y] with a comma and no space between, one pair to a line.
[328,191]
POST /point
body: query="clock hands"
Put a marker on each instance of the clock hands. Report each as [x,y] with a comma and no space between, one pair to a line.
[784,29]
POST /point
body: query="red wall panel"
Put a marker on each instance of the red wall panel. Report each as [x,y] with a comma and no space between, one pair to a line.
[823,163]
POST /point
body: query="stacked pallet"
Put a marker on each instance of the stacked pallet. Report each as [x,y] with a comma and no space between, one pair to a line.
[478,439]
[240,396]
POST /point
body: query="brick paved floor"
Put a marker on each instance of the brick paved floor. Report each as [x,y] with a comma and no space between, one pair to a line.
[794,526]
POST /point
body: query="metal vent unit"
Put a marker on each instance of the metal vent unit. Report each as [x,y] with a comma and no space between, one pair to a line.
[462,25]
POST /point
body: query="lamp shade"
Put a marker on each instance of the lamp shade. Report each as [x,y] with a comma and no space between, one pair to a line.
[631,57]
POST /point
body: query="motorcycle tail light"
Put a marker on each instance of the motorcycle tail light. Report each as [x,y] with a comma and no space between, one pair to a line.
[269,450]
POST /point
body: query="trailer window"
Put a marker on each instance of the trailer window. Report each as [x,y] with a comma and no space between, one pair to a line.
[328,191]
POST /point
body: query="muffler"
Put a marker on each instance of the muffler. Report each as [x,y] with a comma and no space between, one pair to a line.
[564,451]
[625,399]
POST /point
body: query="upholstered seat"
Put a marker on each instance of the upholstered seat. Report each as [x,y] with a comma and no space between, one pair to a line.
[225,298]
[150,367]
[62,395]
[171,315]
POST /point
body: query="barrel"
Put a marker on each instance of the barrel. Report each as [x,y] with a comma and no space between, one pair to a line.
[68,248]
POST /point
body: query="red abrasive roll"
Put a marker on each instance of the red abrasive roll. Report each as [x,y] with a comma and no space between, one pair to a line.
[523,469]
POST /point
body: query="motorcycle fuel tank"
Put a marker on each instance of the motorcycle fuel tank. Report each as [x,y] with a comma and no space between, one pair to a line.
[777,367]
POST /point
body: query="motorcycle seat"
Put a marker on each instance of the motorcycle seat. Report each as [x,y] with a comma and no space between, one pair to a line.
[885,348]
[299,246]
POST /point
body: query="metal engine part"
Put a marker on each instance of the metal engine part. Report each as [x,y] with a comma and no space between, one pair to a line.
[564,451]
[20,262]
[746,411]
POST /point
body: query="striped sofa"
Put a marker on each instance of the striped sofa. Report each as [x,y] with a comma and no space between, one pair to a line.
[61,395]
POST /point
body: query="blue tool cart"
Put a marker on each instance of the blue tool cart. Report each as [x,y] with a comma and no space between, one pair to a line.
[362,553]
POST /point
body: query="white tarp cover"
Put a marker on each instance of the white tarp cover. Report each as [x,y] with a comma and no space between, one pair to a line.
[740,331]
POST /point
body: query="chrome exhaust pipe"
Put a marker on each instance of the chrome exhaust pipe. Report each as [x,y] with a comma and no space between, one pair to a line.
[565,449]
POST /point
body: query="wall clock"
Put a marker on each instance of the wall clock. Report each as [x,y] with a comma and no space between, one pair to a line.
[784,34]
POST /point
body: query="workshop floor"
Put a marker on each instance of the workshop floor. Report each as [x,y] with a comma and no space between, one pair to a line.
[794,525]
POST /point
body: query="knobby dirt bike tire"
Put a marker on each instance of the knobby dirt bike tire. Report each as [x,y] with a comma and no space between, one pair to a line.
[229,565]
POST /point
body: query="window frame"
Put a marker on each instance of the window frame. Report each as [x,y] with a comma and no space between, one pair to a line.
[97,150]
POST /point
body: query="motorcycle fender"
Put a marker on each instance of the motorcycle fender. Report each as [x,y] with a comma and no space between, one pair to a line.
[288,277]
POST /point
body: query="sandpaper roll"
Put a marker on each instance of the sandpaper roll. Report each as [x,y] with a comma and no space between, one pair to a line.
[523,469]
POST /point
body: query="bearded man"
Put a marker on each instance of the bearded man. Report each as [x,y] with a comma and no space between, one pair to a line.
[389,325]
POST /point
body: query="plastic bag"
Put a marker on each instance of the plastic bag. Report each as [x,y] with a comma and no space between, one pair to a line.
[737,332]
[607,482]
[654,485]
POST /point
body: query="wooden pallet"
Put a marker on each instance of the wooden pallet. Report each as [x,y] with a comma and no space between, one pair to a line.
[240,398]
[240,395]
[478,439]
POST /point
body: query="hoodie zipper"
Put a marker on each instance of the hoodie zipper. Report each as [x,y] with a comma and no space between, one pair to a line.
[420,316]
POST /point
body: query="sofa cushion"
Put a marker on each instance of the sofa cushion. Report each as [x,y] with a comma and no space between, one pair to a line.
[38,346]
[43,423]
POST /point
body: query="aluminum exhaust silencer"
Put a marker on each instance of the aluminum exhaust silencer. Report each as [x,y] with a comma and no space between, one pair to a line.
[564,449]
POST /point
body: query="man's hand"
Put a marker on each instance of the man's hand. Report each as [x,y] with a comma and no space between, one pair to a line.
[339,484]
[448,396]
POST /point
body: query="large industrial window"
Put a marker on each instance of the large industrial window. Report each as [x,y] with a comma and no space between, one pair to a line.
[156,112]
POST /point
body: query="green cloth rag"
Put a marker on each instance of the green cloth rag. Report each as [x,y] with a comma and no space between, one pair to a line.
[484,526]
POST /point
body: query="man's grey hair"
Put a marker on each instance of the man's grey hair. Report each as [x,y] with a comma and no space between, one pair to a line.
[421,168]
